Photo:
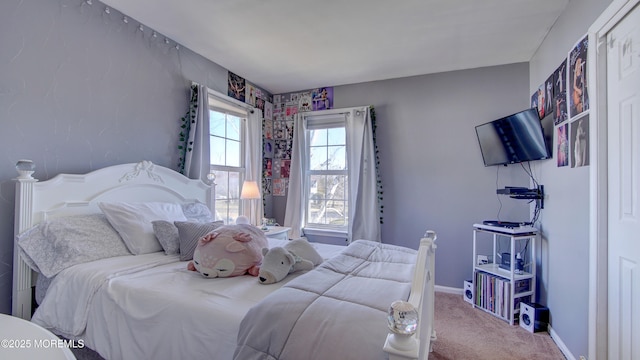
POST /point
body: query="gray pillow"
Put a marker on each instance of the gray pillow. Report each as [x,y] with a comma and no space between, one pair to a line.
[190,232]
[55,245]
[167,234]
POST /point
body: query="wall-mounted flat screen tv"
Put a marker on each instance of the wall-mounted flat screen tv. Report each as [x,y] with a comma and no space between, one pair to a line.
[513,139]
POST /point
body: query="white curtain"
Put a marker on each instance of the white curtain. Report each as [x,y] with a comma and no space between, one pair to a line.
[253,163]
[196,156]
[197,152]
[364,218]
[295,211]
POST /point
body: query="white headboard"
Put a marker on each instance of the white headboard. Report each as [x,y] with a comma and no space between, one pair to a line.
[71,194]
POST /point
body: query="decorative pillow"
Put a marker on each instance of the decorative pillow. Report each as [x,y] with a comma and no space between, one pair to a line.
[133,222]
[167,234]
[190,232]
[196,211]
[55,245]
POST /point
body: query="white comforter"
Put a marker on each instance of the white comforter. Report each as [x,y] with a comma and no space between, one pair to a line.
[152,307]
[65,308]
[336,311]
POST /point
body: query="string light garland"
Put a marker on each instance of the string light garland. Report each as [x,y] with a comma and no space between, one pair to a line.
[107,12]
[374,126]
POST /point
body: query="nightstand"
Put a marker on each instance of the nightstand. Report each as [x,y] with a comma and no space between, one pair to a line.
[277,232]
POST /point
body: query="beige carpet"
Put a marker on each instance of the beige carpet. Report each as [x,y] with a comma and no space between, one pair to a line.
[467,333]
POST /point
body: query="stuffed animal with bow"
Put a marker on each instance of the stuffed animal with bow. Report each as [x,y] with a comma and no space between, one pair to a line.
[230,250]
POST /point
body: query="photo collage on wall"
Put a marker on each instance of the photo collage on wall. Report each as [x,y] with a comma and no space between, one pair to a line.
[242,90]
[277,125]
[278,134]
[564,96]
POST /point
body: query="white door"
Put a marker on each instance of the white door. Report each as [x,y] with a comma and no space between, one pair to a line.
[623,107]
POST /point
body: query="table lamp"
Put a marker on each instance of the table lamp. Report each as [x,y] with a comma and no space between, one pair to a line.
[250,192]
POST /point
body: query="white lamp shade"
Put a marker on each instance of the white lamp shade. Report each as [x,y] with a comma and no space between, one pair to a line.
[250,190]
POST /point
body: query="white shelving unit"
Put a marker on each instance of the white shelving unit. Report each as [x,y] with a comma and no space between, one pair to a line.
[499,291]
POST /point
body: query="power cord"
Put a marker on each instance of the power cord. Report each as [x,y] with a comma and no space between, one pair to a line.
[536,211]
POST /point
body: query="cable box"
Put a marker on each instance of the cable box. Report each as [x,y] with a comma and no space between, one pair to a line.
[506,224]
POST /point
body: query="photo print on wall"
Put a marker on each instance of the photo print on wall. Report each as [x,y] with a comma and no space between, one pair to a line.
[236,87]
[268,148]
[579,94]
[580,141]
[250,95]
[540,102]
[267,168]
[322,98]
[268,110]
[279,187]
[268,129]
[563,145]
[266,186]
[560,93]
[276,168]
[548,96]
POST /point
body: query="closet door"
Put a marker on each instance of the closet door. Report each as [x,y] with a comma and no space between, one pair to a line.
[623,99]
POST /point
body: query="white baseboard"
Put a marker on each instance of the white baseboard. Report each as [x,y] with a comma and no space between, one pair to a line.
[563,348]
[448,290]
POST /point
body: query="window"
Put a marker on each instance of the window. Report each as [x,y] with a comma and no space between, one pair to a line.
[327,178]
[226,146]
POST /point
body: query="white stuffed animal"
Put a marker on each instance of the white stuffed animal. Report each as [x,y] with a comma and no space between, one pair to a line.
[278,261]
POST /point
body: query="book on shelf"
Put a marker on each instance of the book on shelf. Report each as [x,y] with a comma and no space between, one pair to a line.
[493,294]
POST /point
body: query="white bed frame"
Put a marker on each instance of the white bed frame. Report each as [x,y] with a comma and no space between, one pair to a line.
[68,194]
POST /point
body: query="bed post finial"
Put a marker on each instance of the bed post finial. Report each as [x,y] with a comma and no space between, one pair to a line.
[25,169]
[402,320]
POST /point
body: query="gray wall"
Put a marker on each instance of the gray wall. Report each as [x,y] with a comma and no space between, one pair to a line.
[80,90]
[565,220]
[431,167]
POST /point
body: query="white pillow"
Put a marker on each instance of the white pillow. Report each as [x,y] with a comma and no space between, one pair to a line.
[196,211]
[133,222]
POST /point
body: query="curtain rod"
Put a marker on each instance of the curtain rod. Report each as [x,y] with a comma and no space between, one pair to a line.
[229,99]
[336,111]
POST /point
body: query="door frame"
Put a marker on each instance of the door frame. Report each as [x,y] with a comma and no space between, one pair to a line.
[598,176]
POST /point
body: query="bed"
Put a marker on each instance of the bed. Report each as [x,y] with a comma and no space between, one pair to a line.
[139,301]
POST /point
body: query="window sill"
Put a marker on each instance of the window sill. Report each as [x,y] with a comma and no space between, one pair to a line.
[325,233]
